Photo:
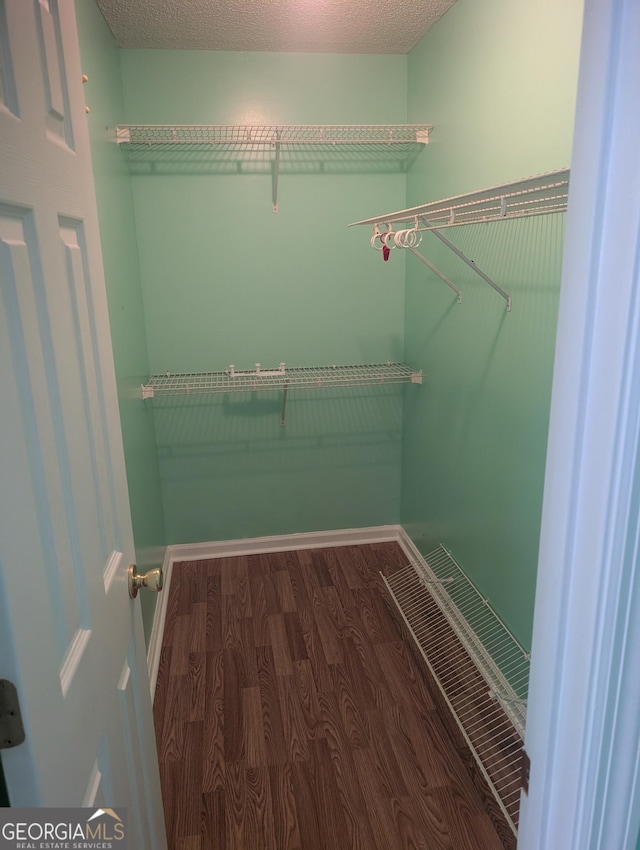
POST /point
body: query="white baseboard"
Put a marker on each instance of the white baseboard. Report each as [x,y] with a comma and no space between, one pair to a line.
[255,546]
[284,543]
[157,628]
[409,547]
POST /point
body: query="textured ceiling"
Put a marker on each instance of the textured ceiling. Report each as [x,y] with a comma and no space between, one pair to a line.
[306,26]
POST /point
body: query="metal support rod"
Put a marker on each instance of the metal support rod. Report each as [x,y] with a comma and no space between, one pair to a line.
[436,271]
[285,390]
[471,264]
[276,172]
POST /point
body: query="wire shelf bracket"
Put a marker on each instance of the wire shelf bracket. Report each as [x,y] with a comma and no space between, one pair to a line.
[542,194]
[276,174]
[473,266]
[437,272]
[281,378]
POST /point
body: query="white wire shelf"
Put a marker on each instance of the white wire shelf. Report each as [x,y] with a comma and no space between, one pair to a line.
[179,148]
[542,194]
[271,134]
[479,666]
[312,377]
[281,378]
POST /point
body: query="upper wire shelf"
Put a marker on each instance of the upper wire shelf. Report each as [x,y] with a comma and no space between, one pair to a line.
[270,148]
[539,195]
[270,134]
[282,377]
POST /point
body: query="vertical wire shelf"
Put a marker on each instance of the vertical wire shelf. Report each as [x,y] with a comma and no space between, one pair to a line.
[479,666]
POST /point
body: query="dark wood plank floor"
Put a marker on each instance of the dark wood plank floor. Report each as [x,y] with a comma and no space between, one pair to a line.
[290,714]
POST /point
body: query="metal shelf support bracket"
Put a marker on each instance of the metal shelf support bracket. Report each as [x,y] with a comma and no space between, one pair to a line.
[285,390]
[276,174]
[437,272]
[470,263]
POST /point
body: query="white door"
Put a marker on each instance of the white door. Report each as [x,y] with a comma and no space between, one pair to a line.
[71,639]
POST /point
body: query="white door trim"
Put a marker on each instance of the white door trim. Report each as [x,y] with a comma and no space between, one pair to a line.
[583,726]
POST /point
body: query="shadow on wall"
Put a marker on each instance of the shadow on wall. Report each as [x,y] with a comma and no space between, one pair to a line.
[241,433]
[230,470]
[478,435]
[197,159]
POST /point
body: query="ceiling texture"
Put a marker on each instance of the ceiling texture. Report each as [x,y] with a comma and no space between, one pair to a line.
[291,26]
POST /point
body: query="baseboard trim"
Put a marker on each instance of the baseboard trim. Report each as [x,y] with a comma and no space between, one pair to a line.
[256,546]
[157,627]
[409,547]
[284,543]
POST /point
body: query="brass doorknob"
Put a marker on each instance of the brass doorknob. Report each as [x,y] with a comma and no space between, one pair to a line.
[151,580]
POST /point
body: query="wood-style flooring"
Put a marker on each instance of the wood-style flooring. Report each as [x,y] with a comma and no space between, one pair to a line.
[290,714]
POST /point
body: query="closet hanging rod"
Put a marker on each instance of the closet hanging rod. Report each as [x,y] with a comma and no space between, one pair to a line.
[270,134]
[542,194]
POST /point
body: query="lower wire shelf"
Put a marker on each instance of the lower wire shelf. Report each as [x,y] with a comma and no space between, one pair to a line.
[302,377]
[480,668]
[280,378]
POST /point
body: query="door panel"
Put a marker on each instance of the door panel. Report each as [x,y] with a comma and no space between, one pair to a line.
[8,97]
[53,77]
[74,638]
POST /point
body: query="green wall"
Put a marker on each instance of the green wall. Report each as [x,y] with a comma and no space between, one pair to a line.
[224,280]
[498,81]
[100,60]
[227,281]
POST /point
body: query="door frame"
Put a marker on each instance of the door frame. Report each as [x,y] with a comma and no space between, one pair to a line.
[583,726]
